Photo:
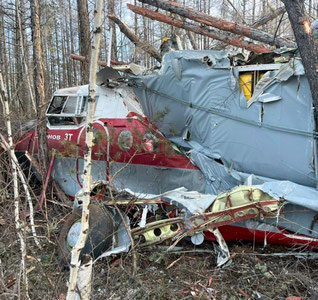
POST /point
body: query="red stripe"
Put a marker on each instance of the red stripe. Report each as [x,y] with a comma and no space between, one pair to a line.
[60,139]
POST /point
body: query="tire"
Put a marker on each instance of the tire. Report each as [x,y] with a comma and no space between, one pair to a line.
[99,238]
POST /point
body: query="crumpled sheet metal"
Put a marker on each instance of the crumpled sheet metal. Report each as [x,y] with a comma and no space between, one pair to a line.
[241,203]
[243,195]
[144,179]
[293,67]
[294,193]
[192,201]
[273,140]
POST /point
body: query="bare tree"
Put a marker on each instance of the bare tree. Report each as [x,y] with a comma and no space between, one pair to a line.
[112,27]
[39,85]
[84,38]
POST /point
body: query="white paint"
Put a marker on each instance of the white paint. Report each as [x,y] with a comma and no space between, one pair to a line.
[54,137]
[68,136]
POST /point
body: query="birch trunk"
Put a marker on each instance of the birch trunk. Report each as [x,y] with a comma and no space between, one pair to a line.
[18,225]
[23,180]
[75,260]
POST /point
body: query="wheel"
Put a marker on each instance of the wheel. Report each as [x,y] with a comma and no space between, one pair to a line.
[99,238]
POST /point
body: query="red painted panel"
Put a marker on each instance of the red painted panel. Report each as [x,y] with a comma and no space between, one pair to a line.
[231,233]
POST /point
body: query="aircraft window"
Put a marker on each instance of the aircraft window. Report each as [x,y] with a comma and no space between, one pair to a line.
[68,110]
[58,121]
[57,105]
[70,106]
[84,104]
[62,111]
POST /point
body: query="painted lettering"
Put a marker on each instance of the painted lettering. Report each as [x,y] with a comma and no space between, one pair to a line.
[54,137]
[68,136]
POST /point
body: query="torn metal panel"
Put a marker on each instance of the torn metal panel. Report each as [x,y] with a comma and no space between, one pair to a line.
[284,72]
[121,240]
[296,218]
[241,203]
[132,175]
[191,201]
[217,176]
[222,250]
[293,67]
[273,140]
[294,193]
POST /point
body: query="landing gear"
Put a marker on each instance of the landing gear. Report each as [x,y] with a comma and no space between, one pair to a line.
[99,238]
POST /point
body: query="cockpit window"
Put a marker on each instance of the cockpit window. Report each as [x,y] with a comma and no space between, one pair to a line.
[84,104]
[63,110]
[68,110]
[70,106]
[57,105]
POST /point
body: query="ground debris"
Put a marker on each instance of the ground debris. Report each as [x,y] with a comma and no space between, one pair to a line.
[187,273]
[195,275]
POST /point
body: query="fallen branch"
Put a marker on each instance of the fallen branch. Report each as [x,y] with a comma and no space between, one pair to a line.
[36,168]
[59,192]
[47,181]
[234,41]
[13,281]
[269,17]
[136,40]
[221,24]
[174,262]
[100,62]
[6,147]
[33,161]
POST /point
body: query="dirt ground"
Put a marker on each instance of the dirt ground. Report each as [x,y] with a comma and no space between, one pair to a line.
[255,273]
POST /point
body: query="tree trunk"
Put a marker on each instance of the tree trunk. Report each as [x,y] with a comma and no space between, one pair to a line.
[138,42]
[28,92]
[72,42]
[219,23]
[39,85]
[58,62]
[18,224]
[307,45]
[3,44]
[112,27]
[235,41]
[84,38]
[87,184]
[19,86]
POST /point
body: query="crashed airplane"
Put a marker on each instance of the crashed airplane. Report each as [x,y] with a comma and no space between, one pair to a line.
[207,146]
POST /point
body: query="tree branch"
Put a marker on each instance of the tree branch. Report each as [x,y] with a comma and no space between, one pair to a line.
[234,41]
